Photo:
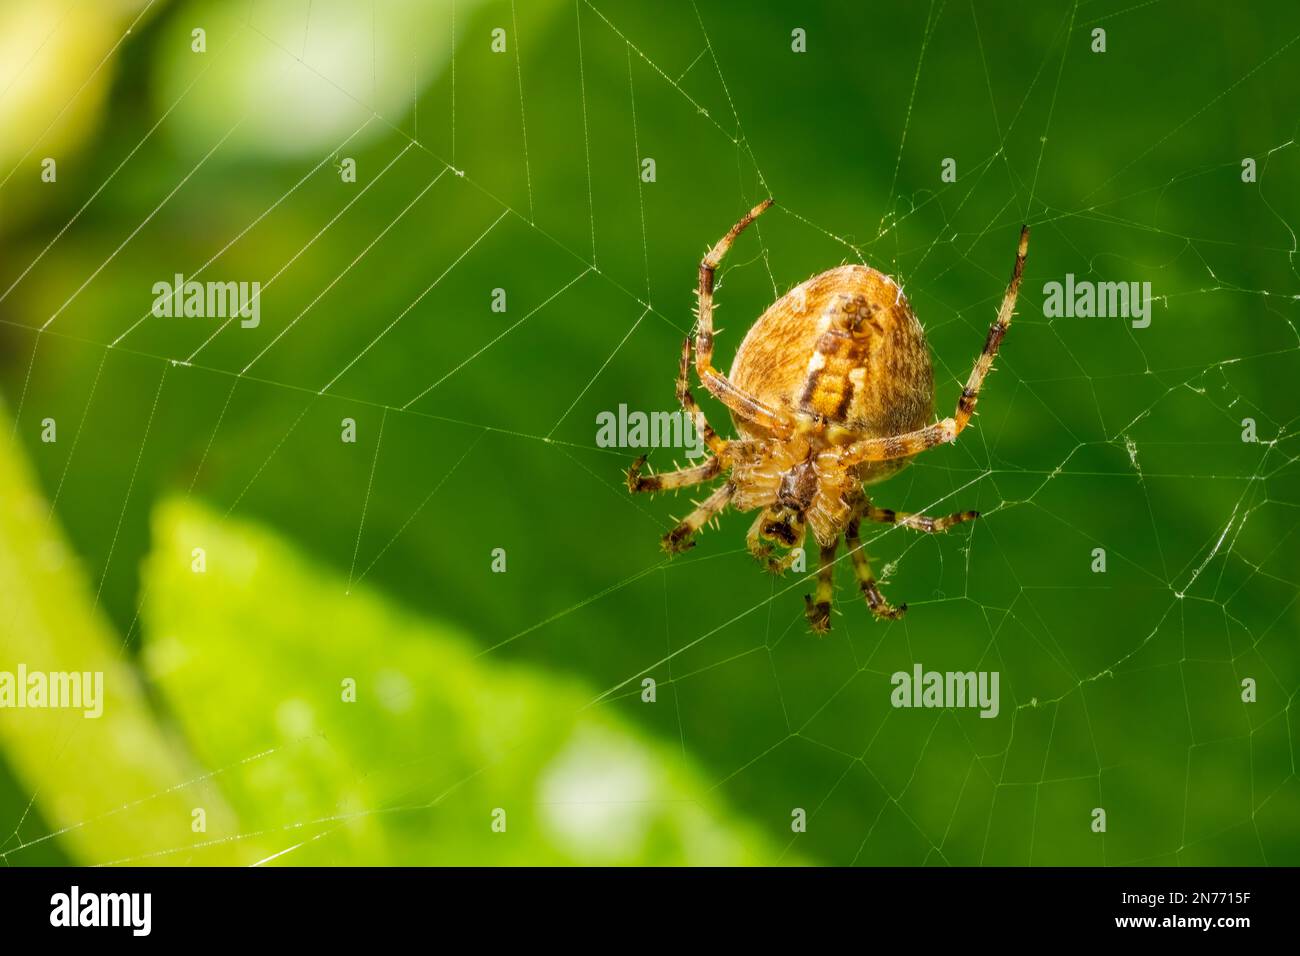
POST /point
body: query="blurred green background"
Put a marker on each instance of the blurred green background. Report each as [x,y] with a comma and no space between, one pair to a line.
[522,691]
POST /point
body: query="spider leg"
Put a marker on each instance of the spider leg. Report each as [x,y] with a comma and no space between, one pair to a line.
[679,539]
[718,384]
[947,430]
[866,580]
[918,522]
[771,525]
[684,477]
[686,399]
[818,609]
[969,395]
[693,475]
[893,446]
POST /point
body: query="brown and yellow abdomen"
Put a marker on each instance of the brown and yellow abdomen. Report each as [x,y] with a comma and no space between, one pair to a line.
[842,349]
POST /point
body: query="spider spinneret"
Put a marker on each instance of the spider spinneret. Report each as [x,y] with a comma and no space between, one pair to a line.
[830,391]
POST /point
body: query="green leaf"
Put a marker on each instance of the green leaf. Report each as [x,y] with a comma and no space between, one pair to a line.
[256,655]
[114,787]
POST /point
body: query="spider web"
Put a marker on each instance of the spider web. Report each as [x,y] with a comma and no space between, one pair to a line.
[1120,690]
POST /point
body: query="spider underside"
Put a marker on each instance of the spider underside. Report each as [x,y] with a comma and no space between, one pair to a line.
[831,390]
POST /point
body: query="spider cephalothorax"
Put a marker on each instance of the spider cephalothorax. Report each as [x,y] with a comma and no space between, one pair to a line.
[831,390]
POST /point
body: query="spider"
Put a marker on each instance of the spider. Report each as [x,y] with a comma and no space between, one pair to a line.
[831,390]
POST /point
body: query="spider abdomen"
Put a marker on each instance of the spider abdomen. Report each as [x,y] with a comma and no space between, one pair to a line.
[841,349]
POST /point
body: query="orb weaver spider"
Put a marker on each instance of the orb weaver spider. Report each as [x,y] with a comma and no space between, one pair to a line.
[831,390]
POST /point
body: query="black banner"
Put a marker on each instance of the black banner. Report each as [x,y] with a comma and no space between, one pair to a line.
[329,905]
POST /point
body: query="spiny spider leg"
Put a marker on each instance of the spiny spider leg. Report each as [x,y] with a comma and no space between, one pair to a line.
[947,430]
[718,384]
[679,539]
[818,609]
[866,580]
[970,394]
[919,522]
[682,478]
[725,450]
[687,400]
[891,447]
